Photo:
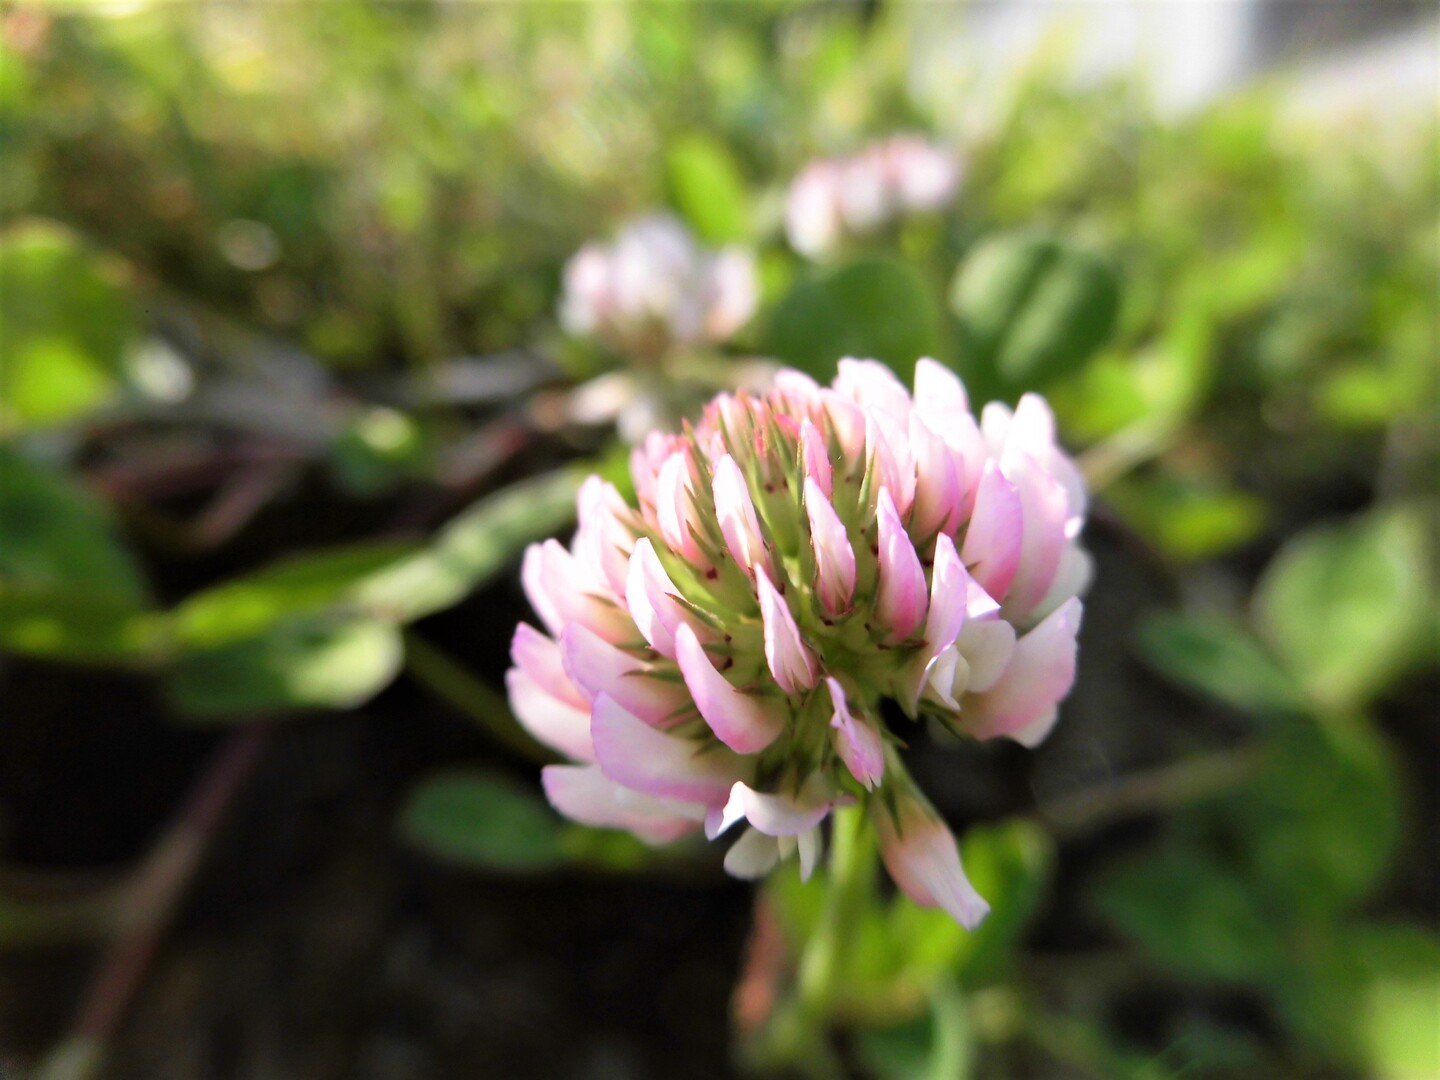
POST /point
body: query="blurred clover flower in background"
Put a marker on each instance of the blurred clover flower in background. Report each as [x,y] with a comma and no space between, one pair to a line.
[654,289]
[720,654]
[904,174]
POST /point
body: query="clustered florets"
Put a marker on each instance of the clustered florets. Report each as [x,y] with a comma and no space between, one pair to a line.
[903,174]
[653,288]
[720,653]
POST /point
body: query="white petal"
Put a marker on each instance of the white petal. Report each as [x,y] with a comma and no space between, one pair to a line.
[752,856]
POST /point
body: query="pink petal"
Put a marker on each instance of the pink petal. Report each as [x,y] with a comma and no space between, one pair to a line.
[602,540]
[743,722]
[675,508]
[949,589]
[645,462]
[559,724]
[939,394]
[1044,508]
[1071,579]
[834,557]
[532,579]
[922,858]
[939,482]
[992,539]
[632,753]
[901,602]
[651,597]
[539,658]
[584,794]
[949,594]
[563,591]
[872,385]
[848,422]
[1039,675]
[887,451]
[858,743]
[736,512]
[815,456]
[598,667]
[995,420]
[791,662]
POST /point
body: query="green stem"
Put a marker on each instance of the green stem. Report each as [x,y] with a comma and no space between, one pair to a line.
[852,877]
[452,683]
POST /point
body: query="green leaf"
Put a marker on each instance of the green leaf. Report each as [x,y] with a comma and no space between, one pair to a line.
[66,321]
[1345,607]
[1399,1007]
[876,308]
[53,533]
[316,663]
[1191,915]
[1189,520]
[1320,825]
[707,188]
[1009,864]
[303,586]
[1216,657]
[1031,308]
[77,625]
[387,581]
[1368,996]
[482,541]
[483,820]
[376,450]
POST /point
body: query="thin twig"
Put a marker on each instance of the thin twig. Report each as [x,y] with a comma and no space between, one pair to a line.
[151,901]
[1154,790]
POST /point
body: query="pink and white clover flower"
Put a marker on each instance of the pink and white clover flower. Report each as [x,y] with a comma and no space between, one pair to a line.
[718,654]
[654,288]
[830,198]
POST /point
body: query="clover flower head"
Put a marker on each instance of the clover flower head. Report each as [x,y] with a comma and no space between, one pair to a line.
[654,288]
[903,174]
[719,654]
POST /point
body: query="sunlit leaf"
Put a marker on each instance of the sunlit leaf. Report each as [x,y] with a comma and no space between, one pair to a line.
[66,320]
[301,664]
[707,188]
[1189,520]
[1031,308]
[1345,606]
[78,625]
[303,585]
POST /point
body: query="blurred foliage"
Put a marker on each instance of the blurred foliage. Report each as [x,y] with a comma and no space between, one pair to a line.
[257,247]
